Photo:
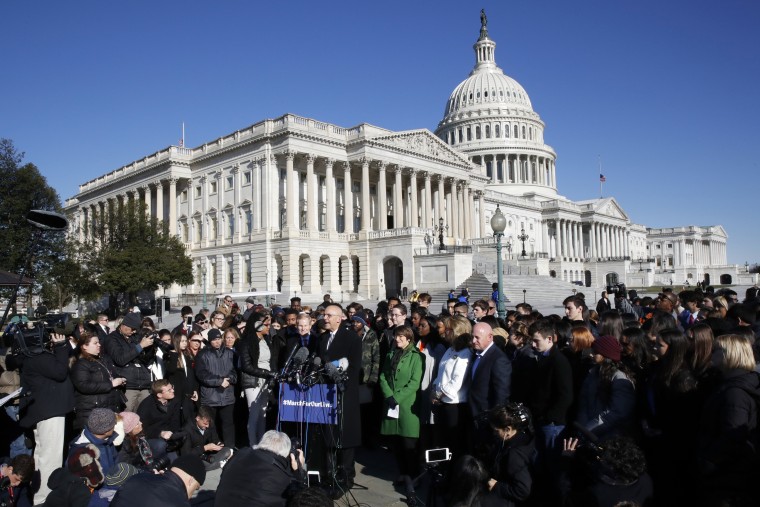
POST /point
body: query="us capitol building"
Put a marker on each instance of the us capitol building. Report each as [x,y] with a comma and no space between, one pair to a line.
[307,207]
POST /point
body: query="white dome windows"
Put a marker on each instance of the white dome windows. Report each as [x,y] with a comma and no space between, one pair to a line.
[496,130]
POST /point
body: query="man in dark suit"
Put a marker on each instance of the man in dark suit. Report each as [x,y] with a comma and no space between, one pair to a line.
[338,342]
[490,374]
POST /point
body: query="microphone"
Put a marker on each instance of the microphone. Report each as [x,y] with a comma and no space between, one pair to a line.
[300,357]
[341,364]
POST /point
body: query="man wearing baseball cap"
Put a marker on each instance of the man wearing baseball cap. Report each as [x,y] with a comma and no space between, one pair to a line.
[125,349]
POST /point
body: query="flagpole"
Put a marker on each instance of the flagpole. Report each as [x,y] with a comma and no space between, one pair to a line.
[183,134]
[601,195]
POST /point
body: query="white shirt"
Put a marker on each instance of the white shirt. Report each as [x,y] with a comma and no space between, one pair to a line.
[452,372]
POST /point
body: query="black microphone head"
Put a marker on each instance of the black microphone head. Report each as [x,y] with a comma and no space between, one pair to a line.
[301,356]
[317,361]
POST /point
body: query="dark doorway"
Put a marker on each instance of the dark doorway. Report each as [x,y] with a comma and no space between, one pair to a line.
[587,277]
[726,279]
[393,270]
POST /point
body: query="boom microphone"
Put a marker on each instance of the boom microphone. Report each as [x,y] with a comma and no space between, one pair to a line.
[301,356]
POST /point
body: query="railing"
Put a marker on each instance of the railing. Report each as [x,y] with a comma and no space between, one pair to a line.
[435,250]
[405,231]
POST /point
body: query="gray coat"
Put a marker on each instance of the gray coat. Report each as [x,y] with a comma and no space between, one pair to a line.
[211,367]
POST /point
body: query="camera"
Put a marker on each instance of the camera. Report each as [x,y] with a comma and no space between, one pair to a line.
[161,463]
[437,455]
[618,289]
[32,338]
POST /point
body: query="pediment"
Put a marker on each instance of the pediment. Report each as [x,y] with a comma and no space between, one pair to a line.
[421,143]
[609,207]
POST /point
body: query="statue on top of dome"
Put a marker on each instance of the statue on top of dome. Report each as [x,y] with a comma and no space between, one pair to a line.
[483,24]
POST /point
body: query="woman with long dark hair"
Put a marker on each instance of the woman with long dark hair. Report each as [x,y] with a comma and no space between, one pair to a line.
[94,379]
[468,484]
[432,350]
[180,372]
[607,400]
[611,324]
[256,367]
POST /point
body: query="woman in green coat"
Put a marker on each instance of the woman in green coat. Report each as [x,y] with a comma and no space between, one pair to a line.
[400,385]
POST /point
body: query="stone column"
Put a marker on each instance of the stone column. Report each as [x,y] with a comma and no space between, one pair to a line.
[291,192]
[348,199]
[312,199]
[366,210]
[455,211]
[331,201]
[494,172]
[147,194]
[441,201]
[468,208]
[173,206]
[482,211]
[414,209]
[398,201]
[382,198]
[426,211]
[160,199]
[545,237]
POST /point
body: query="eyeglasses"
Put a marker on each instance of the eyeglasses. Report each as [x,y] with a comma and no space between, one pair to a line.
[219,318]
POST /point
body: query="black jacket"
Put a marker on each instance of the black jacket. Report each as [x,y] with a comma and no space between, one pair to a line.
[250,373]
[490,384]
[552,389]
[131,361]
[152,490]
[211,367]
[512,467]
[67,490]
[156,417]
[184,383]
[195,440]
[92,381]
[273,477]
[46,377]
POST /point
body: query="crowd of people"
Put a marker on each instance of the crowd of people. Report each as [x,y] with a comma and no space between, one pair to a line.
[647,401]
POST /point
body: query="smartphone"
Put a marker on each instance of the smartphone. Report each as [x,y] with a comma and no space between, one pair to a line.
[437,455]
[313,479]
[189,321]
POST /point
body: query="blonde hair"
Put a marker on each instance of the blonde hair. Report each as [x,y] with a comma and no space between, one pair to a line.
[460,325]
[737,351]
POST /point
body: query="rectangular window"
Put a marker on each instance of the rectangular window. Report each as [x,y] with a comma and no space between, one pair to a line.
[230,182]
[248,221]
[230,225]
[247,270]
[230,272]
[183,196]
[198,191]
[185,232]
[212,226]
[198,231]
[212,187]
[469,134]
[247,178]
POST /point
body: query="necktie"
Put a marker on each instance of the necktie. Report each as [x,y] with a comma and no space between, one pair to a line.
[691,319]
[475,364]
[329,342]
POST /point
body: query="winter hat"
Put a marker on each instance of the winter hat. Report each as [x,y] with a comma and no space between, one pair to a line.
[130,420]
[119,474]
[83,462]
[250,300]
[191,465]
[101,421]
[608,347]
[214,334]
[132,320]
[360,317]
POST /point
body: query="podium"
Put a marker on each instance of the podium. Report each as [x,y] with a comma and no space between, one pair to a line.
[311,415]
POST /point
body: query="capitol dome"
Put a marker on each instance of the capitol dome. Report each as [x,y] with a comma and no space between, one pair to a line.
[489,117]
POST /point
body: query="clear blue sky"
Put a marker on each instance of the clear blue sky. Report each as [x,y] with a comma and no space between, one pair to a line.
[665,91]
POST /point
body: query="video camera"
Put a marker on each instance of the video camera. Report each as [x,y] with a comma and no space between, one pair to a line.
[618,289]
[32,338]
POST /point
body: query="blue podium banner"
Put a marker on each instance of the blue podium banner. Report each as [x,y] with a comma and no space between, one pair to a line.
[313,405]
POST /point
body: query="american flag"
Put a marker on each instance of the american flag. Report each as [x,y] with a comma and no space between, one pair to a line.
[602,178]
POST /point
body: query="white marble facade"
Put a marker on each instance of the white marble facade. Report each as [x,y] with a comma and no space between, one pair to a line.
[321,208]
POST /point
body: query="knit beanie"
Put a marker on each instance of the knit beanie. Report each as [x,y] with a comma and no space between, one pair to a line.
[119,474]
[101,421]
[608,347]
[130,420]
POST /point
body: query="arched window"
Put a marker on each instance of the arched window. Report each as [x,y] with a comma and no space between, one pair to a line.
[506,130]
[516,132]
[523,131]
[488,132]
[477,132]
[496,130]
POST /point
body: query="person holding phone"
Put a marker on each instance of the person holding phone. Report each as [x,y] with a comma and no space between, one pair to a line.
[186,325]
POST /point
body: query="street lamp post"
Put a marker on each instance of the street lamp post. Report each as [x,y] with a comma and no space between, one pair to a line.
[523,237]
[498,224]
[440,228]
[641,261]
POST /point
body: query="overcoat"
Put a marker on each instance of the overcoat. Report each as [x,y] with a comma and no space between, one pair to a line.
[403,385]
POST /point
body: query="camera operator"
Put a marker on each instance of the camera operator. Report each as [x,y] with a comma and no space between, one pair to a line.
[14,481]
[132,355]
[50,396]
[278,469]
[512,457]
[173,488]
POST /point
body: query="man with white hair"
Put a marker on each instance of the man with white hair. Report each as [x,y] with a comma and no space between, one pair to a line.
[273,465]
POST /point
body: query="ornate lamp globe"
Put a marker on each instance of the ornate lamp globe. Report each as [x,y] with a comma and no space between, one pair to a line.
[498,221]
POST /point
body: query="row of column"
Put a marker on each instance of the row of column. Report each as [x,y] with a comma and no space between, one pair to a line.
[604,240]
[417,198]
[518,169]
[91,216]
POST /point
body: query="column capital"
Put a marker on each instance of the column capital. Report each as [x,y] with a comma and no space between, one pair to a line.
[310,158]
[235,169]
[289,155]
[202,179]
[259,160]
[145,188]
[158,183]
[412,171]
[365,161]
[329,162]
[382,165]
[173,180]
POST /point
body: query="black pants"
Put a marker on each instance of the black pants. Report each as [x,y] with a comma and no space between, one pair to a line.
[405,452]
[224,417]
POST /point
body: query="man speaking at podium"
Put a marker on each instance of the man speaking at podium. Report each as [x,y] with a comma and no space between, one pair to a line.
[336,343]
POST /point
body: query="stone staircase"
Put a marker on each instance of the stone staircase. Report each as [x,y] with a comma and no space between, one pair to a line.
[543,289]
